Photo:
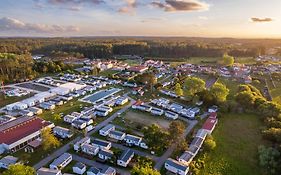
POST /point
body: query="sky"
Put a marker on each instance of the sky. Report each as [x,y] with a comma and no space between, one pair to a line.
[190,18]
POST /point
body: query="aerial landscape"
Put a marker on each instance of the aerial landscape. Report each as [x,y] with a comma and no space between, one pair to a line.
[140,87]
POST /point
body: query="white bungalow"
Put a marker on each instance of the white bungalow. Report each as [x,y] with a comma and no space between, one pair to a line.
[79,124]
[62,132]
[105,154]
[79,168]
[80,143]
[125,158]
[117,135]
[105,130]
[61,162]
[132,140]
[171,115]
[90,149]
[69,118]
[102,144]
[5,162]
[157,111]
[176,167]
[121,101]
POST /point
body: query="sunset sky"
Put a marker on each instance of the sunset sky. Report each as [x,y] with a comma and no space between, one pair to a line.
[196,18]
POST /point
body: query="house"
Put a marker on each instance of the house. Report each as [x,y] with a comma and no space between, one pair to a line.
[16,134]
[129,84]
[6,118]
[61,162]
[105,130]
[176,167]
[16,106]
[31,146]
[175,107]
[144,107]
[157,111]
[171,115]
[79,168]
[213,108]
[62,132]
[35,110]
[210,125]
[90,149]
[117,135]
[102,144]
[69,118]
[132,140]
[5,162]
[201,133]
[101,113]
[138,69]
[88,120]
[26,113]
[79,124]
[107,171]
[105,154]
[48,171]
[125,158]
[186,158]
[143,145]
[121,101]
[93,171]
[80,143]
[47,106]
[136,104]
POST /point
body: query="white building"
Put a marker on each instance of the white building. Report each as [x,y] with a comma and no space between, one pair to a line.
[117,135]
[176,167]
[105,130]
[80,143]
[62,132]
[171,115]
[79,168]
[125,158]
[61,162]
[90,149]
[132,140]
[5,162]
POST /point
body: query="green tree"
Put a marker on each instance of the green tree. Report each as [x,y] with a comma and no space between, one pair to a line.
[144,170]
[209,143]
[219,91]
[19,169]
[178,90]
[193,85]
[57,117]
[176,130]
[269,159]
[227,60]
[49,141]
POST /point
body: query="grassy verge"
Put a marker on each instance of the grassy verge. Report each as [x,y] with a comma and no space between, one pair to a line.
[238,137]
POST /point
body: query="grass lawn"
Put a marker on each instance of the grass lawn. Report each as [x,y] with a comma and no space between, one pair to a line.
[134,119]
[276,92]
[8,100]
[237,137]
[69,107]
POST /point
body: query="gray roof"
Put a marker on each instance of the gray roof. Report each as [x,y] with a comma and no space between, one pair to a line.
[61,159]
[117,133]
[101,142]
[176,164]
[8,160]
[107,127]
[198,141]
[79,165]
[107,153]
[108,170]
[126,155]
[132,137]
[94,170]
[47,171]
[187,156]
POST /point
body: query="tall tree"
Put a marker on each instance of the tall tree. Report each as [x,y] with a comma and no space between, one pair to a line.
[193,85]
[176,130]
[144,170]
[227,60]
[178,90]
[49,141]
[219,92]
[269,159]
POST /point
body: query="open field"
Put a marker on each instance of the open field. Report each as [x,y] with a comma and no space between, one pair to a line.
[8,100]
[238,137]
[133,119]
[276,92]
[33,86]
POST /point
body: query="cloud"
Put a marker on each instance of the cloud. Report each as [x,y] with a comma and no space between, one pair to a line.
[203,17]
[130,7]
[181,5]
[148,20]
[261,20]
[75,1]
[14,25]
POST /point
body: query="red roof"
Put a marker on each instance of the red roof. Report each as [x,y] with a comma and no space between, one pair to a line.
[18,131]
[213,115]
[210,124]
[137,103]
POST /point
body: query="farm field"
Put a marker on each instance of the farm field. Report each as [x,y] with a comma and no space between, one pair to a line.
[237,137]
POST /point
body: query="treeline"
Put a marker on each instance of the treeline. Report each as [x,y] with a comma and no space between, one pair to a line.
[108,47]
[252,100]
[17,68]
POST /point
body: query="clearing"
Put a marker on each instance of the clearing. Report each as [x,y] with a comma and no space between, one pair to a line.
[238,137]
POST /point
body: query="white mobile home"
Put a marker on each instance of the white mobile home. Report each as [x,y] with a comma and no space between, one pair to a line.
[61,162]
[105,130]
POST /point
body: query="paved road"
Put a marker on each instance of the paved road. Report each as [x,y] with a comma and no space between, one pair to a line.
[55,154]
[171,149]
[97,164]
[66,147]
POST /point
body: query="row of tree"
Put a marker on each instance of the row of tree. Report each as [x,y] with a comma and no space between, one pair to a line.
[252,100]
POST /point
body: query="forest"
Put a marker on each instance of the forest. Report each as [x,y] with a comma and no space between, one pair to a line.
[143,46]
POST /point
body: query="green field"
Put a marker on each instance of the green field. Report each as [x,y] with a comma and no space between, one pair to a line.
[238,137]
